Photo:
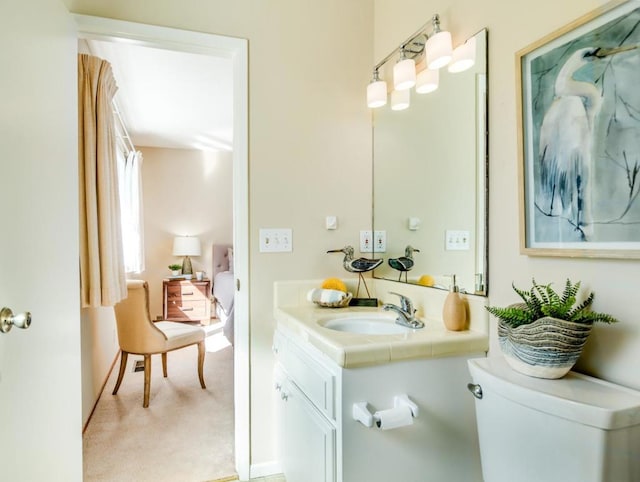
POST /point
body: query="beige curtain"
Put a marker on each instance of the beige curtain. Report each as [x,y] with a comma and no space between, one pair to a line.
[102,275]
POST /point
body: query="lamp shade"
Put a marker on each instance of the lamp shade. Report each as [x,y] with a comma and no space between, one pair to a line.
[186,246]
[464,56]
[439,50]
[427,81]
[400,99]
[404,74]
[377,94]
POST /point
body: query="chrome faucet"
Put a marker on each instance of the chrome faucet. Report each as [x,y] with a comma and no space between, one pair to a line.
[406,312]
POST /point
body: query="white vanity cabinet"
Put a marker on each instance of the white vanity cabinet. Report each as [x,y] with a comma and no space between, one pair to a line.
[319,440]
[305,411]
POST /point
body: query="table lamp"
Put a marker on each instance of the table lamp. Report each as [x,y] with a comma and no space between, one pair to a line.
[186,246]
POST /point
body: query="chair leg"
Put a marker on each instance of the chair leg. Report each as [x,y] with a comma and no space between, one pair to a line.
[164,364]
[201,351]
[147,380]
[123,365]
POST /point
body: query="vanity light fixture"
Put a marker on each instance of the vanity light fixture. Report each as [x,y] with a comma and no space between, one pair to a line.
[431,46]
[404,72]
[376,91]
[400,99]
[427,81]
[439,48]
[464,56]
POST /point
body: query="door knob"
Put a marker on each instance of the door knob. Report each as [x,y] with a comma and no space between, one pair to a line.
[8,319]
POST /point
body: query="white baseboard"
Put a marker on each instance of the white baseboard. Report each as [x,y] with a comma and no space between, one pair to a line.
[265,469]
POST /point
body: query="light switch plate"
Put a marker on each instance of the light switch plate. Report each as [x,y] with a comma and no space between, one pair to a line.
[380,241]
[366,241]
[276,240]
[456,240]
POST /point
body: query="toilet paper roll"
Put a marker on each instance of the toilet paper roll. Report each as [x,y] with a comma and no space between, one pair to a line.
[393,418]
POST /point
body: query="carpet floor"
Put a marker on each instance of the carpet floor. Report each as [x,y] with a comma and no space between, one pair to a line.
[185,435]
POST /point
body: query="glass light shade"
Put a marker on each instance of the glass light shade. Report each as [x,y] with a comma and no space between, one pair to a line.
[186,246]
[439,50]
[404,74]
[427,81]
[377,94]
[400,99]
[464,56]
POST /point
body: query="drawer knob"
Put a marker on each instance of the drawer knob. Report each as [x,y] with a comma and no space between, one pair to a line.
[476,390]
[284,396]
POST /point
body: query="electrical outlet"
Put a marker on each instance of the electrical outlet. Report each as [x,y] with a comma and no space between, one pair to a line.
[276,240]
[366,242]
[456,240]
[380,241]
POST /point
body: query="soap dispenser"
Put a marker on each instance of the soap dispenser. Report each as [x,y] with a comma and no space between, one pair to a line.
[454,312]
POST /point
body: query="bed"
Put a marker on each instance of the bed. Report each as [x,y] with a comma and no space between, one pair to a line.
[223,286]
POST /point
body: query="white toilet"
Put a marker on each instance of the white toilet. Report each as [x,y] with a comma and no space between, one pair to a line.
[577,428]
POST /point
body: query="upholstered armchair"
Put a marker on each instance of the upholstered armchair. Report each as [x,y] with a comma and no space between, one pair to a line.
[137,334]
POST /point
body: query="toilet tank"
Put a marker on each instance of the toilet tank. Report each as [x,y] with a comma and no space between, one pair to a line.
[577,428]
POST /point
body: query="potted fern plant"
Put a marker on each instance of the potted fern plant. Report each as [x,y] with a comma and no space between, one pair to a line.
[544,335]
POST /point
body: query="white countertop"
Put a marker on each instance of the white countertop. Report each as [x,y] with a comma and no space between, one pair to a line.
[351,350]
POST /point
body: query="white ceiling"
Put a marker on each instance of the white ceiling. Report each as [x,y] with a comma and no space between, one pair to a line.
[171,99]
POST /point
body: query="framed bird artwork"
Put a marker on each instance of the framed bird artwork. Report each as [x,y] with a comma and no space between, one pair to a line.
[579,137]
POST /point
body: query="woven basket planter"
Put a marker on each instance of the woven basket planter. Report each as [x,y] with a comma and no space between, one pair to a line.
[546,348]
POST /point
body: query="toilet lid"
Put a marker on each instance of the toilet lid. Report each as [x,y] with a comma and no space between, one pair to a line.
[577,397]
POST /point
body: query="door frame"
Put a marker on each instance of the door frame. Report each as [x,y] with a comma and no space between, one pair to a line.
[235,49]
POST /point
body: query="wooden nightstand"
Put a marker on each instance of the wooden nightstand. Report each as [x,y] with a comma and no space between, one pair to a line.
[186,300]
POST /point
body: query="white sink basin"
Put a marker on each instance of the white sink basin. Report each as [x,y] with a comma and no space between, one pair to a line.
[366,325]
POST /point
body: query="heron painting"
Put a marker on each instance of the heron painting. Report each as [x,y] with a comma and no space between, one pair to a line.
[581,135]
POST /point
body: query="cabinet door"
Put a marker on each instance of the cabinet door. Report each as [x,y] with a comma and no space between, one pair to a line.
[308,445]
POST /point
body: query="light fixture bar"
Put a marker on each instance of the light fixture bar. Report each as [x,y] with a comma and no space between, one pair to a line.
[413,39]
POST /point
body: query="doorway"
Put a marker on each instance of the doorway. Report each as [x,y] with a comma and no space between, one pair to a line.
[237,51]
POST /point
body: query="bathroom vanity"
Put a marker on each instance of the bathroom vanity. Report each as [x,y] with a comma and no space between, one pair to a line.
[334,385]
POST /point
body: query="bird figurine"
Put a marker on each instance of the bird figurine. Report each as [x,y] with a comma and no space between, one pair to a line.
[359,265]
[404,263]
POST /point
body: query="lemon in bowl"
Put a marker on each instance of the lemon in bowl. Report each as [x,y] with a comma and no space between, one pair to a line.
[334,284]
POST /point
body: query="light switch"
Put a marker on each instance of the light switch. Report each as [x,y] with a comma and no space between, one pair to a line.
[275,240]
[331,222]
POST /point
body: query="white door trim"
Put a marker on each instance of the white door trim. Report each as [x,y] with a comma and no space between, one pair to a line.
[237,50]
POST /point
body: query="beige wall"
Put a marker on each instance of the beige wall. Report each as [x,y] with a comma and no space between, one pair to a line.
[612,352]
[99,343]
[309,142]
[185,192]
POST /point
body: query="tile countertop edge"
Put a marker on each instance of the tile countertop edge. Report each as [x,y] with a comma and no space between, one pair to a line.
[351,350]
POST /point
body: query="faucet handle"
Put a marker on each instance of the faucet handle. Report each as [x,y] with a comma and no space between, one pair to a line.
[405,303]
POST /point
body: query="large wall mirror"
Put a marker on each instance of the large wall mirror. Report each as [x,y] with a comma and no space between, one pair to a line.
[430,180]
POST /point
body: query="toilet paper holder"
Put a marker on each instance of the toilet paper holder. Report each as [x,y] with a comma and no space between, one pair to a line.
[362,414]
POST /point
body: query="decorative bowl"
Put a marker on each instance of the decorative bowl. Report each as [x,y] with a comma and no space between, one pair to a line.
[546,348]
[336,304]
